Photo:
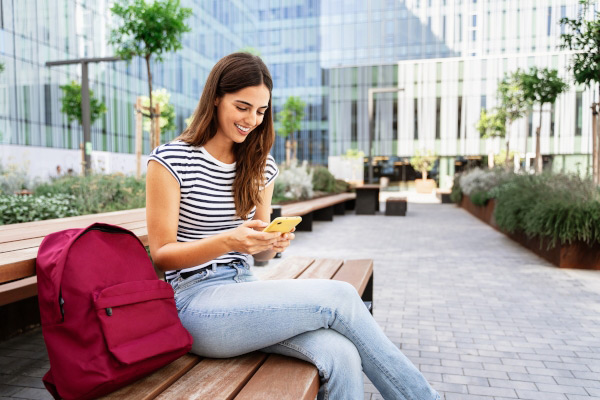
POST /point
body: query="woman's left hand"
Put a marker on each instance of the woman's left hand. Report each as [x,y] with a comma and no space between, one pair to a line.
[283,242]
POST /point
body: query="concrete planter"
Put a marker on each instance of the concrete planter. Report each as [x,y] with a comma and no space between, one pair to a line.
[575,255]
[424,185]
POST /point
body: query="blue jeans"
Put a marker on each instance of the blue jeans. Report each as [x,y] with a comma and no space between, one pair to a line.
[229,312]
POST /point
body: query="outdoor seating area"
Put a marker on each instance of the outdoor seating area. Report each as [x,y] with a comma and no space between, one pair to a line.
[445,308]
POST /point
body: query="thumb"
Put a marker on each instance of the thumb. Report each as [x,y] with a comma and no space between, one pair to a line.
[255,224]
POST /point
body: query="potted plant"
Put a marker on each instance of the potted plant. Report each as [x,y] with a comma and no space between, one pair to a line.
[423,162]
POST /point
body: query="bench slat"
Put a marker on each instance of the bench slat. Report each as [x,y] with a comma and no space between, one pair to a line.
[152,385]
[28,230]
[21,263]
[215,379]
[18,290]
[355,272]
[304,207]
[36,241]
[322,269]
[282,378]
[289,268]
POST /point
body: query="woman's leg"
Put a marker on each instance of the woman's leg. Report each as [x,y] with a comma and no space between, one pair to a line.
[232,319]
[335,357]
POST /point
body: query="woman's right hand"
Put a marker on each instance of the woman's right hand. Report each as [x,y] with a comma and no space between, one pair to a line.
[248,238]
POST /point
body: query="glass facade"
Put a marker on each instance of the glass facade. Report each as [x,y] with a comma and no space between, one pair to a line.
[445,55]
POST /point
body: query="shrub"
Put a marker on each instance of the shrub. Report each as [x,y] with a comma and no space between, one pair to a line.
[15,209]
[456,193]
[296,182]
[341,186]
[98,193]
[13,178]
[561,208]
[323,180]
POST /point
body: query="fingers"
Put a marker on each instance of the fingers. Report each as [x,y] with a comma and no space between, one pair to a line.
[256,224]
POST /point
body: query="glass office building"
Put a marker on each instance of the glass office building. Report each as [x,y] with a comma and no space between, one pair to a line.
[445,55]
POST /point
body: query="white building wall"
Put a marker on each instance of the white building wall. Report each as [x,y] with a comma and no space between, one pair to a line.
[41,162]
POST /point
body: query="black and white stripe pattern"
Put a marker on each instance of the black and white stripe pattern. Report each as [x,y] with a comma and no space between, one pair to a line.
[206,203]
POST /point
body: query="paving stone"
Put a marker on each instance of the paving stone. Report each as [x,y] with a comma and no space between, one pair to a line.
[33,394]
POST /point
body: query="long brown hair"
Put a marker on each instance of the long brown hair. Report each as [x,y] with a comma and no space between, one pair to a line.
[232,73]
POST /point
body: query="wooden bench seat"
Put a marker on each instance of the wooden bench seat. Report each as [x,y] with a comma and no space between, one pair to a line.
[320,209]
[256,375]
[19,242]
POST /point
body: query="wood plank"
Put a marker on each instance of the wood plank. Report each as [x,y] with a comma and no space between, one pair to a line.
[323,268]
[304,207]
[289,268]
[132,212]
[36,241]
[18,290]
[282,378]
[215,379]
[355,272]
[27,230]
[154,384]
[21,263]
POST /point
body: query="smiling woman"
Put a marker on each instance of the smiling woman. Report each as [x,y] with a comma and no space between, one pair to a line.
[208,199]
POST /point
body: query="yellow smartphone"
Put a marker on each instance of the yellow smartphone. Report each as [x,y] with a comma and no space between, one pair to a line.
[283,224]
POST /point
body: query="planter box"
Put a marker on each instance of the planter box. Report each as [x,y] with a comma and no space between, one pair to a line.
[424,185]
[575,255]
[485,213]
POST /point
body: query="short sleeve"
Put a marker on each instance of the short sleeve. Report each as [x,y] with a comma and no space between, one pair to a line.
[271,170]
[165,156]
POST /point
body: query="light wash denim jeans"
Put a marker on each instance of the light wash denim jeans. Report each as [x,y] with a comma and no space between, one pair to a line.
[229,312]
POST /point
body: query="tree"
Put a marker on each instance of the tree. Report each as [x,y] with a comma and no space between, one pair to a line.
[583,37]
[147,30]
[71,103]
[289,124]
[541,86]
[424,162]
[167,111]
[513,103]
[492,124]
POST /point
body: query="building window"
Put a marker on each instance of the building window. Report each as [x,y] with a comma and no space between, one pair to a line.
[483,102]
[416,118]
[549,21]
[563,14]
[438,106]
[578,113]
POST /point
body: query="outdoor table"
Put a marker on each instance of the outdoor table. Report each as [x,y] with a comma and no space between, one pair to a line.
[367,199]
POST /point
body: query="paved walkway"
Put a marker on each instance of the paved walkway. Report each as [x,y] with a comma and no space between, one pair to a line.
[482,317]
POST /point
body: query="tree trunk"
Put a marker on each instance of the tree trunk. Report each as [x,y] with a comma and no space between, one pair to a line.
[295,148]
[597,137]
[288,152]
[594,143]
[153,139]
[507,160]
[424,174]
[538,149]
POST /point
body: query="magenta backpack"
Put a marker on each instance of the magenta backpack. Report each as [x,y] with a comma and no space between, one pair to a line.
[107,319]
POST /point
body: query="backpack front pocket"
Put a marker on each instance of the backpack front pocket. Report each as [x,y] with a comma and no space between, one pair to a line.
[139,320]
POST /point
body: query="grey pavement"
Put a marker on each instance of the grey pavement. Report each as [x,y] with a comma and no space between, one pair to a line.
[482,317]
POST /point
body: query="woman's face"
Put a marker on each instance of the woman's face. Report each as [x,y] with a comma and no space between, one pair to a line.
[239,113]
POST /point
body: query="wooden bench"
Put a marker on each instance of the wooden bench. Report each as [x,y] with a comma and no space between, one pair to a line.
[19,242]
[256,375]
[319,209]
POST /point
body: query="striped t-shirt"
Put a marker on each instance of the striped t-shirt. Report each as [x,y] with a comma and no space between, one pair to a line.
[206,203]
